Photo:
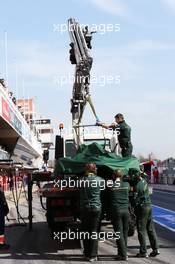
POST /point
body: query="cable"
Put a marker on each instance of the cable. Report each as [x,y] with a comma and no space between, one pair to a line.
[104,146]
[89,100]
[42,205]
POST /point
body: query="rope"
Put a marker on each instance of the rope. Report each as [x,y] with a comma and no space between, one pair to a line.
[89,100]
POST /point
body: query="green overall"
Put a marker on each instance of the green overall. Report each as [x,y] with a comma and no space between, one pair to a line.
[144,216]
[119,200]
[90,206]
[124,139]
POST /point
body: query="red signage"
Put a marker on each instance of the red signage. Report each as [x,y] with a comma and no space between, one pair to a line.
[5,110]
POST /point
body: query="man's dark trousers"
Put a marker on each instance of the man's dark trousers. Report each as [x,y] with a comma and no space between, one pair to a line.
[145,225]
[2,223]
[127,151]
[120,224]
[90,224]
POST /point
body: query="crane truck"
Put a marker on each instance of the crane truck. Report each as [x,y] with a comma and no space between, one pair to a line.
[62,204]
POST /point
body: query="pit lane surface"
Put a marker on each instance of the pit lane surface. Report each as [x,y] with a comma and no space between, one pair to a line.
[38,247]
[164,215]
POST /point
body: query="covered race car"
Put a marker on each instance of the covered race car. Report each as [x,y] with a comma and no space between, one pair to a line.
[106,161]
[63,203]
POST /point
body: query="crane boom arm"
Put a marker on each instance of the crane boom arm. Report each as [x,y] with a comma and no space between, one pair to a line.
[80,56]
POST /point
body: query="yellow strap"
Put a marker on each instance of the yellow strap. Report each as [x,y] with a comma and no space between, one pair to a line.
[89,100]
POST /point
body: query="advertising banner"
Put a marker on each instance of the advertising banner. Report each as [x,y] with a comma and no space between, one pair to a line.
[5,110]
[8,114]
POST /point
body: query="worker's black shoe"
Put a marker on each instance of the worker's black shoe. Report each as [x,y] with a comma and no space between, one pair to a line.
[154,253]
[93,259]
[119,257]
[4,246]
[142,255]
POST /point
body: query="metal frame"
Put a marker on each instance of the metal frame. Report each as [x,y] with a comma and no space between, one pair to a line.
[80,94]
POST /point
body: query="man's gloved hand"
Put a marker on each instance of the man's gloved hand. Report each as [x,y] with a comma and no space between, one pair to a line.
[98,123]
[113,125]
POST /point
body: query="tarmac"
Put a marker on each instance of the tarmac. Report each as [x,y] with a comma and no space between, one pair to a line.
[164,187]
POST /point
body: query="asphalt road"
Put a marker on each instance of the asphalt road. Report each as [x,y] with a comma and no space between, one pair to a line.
[165,199]
[39,247]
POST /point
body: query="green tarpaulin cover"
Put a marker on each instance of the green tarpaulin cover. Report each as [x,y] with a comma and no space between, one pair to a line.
[105,161]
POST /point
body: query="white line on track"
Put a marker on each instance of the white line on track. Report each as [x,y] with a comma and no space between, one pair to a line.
[165,192]
[171,211]
[159,223]
[167,227]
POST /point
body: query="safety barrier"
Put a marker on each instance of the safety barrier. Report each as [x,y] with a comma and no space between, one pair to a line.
[167,179]
[8,183]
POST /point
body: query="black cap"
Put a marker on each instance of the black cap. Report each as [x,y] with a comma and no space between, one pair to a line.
[133,171]
[119,115]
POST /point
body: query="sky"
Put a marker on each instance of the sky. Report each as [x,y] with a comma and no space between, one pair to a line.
[133,63]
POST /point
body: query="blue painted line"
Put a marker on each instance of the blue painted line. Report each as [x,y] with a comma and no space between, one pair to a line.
[164,217]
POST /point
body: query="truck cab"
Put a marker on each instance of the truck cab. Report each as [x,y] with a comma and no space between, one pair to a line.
[65,145]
